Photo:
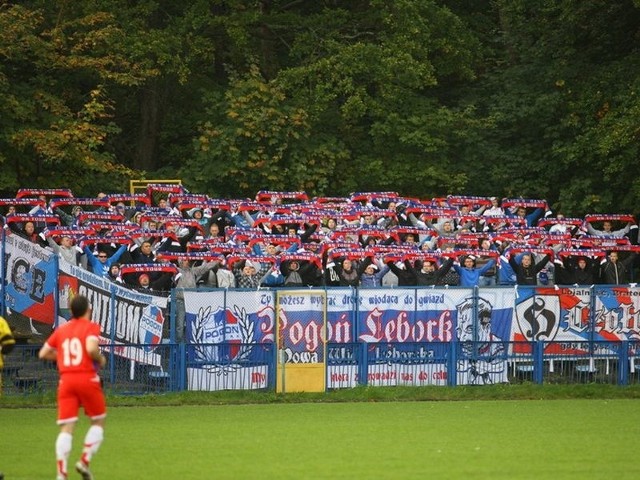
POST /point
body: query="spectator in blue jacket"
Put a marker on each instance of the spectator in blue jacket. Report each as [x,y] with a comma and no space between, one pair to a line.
[470,274]
[101,263]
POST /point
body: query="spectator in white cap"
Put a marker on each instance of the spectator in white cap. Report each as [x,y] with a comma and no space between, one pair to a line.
[372,274]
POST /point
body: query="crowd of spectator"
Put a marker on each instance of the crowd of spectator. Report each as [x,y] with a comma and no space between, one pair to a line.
[168,238]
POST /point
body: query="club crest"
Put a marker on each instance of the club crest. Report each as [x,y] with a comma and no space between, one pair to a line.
[538,317]
[150,328]
[233,330]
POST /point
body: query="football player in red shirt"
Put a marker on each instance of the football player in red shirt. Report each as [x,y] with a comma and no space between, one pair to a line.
[74,347]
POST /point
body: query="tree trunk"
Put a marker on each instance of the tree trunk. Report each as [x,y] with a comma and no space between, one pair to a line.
[152,98]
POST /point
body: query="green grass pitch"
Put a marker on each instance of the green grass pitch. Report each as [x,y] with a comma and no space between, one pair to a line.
[554,439]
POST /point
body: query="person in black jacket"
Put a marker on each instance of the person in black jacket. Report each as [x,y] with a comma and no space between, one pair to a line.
[615,271]
[406,274]
[577,270]
[526,271]
[430,273]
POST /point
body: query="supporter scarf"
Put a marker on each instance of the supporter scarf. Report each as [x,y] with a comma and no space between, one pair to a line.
[286,240]
[100,217]
[203,205]
[221,248]
[556,239]
[302,257]
[462,200]
[364,233]
[368,196]
[317,248]
[250,206]
[240,235]
[332,200]
[526,232]
[524,202]
[115,227]
[549,238]
[232,259]
[467,240]
[91,239]
[267,196]
[432,212]
[75,233]
[439,201]
[131,198]
[411,230]
[180,198]
[346,245]
[598,241]
[474,252]
[171,222]
[148,268]
[163,187]
[505,219]
[149,216]
[351,254]
[472,238]
[358,213]
[49,192]
[204,256]
[24,217]
[590,253]
[87,202]
[29,202]
[533,250]
[545,222]
[281,220]
[422,256]
[611,218]
[382,249]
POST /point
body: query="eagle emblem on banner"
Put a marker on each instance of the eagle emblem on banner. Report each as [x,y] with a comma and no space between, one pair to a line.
[232,329]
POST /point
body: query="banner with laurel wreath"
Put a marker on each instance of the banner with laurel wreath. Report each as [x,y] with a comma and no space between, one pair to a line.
[229,337]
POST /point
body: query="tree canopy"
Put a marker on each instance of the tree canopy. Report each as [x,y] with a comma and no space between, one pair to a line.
[537,98]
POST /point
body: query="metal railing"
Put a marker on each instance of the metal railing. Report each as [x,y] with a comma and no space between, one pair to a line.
[212,367]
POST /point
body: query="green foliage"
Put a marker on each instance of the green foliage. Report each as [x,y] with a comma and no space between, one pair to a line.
[251,141]
[561,97]
[50,124]
[513,97]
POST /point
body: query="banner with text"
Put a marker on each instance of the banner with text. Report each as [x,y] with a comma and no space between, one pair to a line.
[225,330]
[30,279]
[125,316]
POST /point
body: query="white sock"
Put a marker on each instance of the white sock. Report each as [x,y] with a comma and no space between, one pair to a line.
[92,442]
[63,449]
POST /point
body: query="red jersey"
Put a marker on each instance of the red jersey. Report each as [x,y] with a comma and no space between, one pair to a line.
[70,341]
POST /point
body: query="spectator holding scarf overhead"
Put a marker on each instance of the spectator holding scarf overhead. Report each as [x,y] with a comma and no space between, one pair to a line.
[488,278]
[614,271]
[469,273]
[347,272]
[519,209]
[495,210]
[607,225]
[29,232]
[100,264]
[526,270]
[429,273]
[66,250]
[372,273]
[577,268]
[402,269]
[249,274]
